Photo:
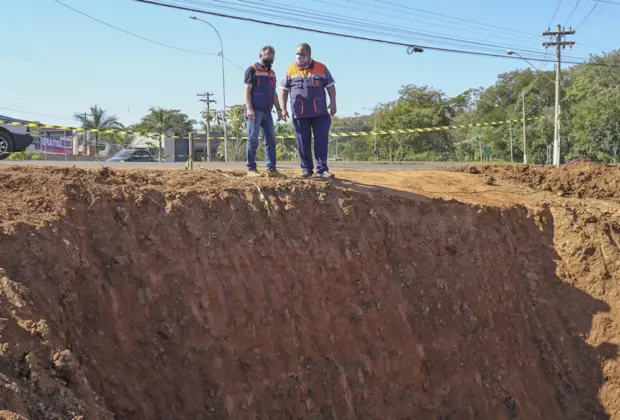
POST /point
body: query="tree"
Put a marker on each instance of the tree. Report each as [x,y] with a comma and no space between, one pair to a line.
[417,107]
[354,147]
[594,113]
[98,119]
[235,119]
[165,122]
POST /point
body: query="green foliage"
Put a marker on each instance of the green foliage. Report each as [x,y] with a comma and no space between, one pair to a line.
[589,120]
[165,121]
[98,119]
[25,155]
[151,147]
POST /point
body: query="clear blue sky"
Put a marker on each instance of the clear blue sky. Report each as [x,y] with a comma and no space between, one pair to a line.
[57,62]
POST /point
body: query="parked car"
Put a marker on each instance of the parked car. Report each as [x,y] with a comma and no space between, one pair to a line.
[13,138]
[132,155]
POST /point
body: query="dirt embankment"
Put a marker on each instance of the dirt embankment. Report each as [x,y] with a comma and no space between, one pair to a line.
[589,180]
[182,295]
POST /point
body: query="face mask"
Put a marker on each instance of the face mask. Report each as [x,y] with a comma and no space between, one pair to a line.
[267,62]
[302,60]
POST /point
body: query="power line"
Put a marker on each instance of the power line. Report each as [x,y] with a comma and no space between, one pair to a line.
[573,12]
[317,20]
[453,17]
[322,18]
[555,13]
[36,113]
[439,36]
[402,15]
[361,38]
[140,36]
[588,15]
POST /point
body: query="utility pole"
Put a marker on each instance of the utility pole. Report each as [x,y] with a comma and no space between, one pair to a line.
[559,43]
[208,101]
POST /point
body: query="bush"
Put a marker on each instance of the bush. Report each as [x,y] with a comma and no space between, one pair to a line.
[25,155]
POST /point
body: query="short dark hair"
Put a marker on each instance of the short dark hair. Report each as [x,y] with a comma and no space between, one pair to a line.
[305,46]
[268,48]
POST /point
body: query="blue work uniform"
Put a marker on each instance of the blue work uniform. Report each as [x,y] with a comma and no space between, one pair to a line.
[307,90]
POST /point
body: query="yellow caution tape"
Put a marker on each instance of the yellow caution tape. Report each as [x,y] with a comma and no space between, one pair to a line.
[333,134]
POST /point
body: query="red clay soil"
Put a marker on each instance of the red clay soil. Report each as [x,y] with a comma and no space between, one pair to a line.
[182,295]
[584,180]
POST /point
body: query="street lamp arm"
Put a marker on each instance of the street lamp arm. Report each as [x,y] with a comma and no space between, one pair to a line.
[223,86]
[216,31]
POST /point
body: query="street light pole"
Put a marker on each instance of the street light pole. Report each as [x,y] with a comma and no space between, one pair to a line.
[510,126]
[523,92]
[375,152]
[223,86]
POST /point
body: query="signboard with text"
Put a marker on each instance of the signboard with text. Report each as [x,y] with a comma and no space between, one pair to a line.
[58,143]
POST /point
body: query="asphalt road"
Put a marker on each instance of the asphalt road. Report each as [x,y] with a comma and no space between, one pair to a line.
[219,165]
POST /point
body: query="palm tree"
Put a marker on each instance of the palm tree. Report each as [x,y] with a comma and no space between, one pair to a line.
[165,121]
[98,119]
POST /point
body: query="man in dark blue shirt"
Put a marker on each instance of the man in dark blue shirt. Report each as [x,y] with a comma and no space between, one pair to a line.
[260,97]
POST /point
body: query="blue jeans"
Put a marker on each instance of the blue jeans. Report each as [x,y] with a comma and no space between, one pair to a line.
[264,124]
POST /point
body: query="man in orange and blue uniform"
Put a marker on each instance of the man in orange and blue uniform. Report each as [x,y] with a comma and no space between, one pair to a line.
[306,81]
[260,97]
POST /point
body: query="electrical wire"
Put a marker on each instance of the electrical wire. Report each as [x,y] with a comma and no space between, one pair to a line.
[142,37]
[573,12]
[472,41]
[361,38]
[35,113]
[588,15]
[403,15]
[339,22]
[503,30]
[555,13]
[451,17]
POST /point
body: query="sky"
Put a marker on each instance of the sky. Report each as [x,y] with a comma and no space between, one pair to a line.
[55,62]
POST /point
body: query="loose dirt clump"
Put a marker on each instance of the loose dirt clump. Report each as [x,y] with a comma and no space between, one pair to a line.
[584,180]
[176,295]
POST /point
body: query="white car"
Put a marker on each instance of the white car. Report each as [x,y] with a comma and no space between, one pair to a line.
[13,138]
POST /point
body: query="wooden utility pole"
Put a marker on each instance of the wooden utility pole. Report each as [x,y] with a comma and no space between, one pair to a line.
[208,101]
[559,43]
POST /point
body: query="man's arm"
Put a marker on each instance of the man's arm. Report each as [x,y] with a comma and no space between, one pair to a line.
[285,86]
[247,93]
[331,91]
[250,75]
[276,103]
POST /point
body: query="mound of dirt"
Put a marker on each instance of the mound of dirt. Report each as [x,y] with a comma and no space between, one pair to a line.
[584,180]
[182,295]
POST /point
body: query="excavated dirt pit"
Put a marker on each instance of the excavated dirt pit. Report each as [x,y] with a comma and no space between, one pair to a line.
[184,295]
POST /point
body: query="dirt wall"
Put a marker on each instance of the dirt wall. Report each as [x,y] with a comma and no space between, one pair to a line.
[181,295]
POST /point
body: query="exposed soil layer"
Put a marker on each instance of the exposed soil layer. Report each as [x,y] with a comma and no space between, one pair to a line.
[195,295]
[584,180]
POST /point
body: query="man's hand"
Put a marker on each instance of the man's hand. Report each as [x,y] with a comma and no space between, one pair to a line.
[251,114]
[279,112]
[284,113]
[332,109]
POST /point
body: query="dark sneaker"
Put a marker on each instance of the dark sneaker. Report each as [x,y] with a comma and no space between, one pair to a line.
[274,174]
[306,174]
